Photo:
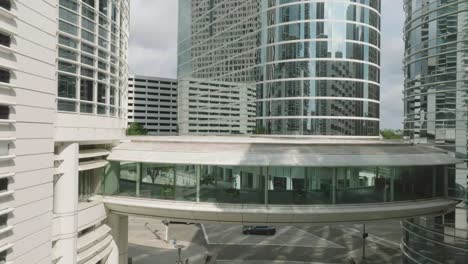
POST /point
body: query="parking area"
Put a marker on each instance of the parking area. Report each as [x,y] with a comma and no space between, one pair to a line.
[290,245]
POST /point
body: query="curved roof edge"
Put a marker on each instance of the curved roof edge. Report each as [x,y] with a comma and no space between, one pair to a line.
[274,214]
[251,151]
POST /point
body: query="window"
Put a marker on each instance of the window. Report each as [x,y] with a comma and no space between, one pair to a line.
[87,72]
[88,184]
[103,6]
[88,13]
[67,54]
[3,184]
[5,40]
[68,15]
[85,23]
[3,254]
[89,2]
[114,13]
[87,36]
[87,48]
[66,86]
[4,76]
[67,67]
[112,96]
[6,4]
[3,220]
[68,28]
[4,112]
[68,42]
[87,60]
[86,90]
[70,4]
[102,96]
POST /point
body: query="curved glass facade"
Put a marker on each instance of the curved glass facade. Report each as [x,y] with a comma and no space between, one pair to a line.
[428,240]
[311,63]
[274,185]
[435,76]
[92,57]
[435,95]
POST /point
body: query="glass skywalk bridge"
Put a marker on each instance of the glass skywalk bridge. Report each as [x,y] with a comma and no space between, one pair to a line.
[277,180]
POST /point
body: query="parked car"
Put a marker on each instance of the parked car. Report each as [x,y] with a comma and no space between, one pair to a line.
[259,230]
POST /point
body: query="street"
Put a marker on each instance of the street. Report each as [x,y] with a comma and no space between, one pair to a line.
[290,245]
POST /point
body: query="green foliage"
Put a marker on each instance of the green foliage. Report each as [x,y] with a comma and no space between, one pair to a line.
[135,129]
[391,134]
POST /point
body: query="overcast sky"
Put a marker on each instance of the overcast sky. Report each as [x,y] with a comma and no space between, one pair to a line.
[153,49]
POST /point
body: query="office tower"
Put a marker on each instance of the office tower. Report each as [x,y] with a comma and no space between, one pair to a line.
[152,103]
[319,68]
[216,66]
[315,66]
[436,113]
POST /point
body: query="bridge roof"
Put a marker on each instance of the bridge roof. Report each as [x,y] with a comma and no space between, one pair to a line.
[277,151]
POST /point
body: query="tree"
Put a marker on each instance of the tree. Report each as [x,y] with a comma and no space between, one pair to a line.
[391,134]
[135,129]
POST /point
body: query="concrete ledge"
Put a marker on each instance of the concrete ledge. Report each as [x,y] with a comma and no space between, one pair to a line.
[273,214]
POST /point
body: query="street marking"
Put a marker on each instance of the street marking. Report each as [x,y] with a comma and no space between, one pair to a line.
[205,234]
[375,239]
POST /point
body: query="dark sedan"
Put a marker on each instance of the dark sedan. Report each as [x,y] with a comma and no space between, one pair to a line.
[259,230]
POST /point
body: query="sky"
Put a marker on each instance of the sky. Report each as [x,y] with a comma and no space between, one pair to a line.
[153,49]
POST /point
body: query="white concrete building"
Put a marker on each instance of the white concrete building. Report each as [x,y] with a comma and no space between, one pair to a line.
[152,102]
[63,79]
[27,91]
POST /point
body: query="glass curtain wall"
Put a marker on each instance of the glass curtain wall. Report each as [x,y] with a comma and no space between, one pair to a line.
[92,55]
[274,185]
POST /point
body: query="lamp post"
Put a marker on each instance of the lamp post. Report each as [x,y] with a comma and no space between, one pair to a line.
[364,236]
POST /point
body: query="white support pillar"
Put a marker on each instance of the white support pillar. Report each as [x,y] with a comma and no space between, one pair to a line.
[198,170]
[237,179]
[66,204]
[119,225]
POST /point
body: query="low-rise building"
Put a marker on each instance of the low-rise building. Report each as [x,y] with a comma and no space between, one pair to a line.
[152,103]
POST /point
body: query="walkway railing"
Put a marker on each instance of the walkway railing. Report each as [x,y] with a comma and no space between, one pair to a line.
[433,243]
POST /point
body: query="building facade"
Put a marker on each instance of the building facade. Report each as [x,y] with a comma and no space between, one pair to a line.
[319,68]
[214,108]
[435,113]
[92,81]
[63,67]
[152,103]
[27,91]
[216,69]
[314,66]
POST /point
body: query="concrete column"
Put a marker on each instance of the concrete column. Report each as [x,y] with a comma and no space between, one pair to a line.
[138,178]
[66,204]
[288,178]
[198,169]
[392,185]
[333,187]
[461,223]
[265,173]
[434,182]
[119,232]
[237,179]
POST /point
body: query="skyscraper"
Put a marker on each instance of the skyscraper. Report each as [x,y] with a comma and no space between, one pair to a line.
[436,112]
[315,66]
[217,52]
